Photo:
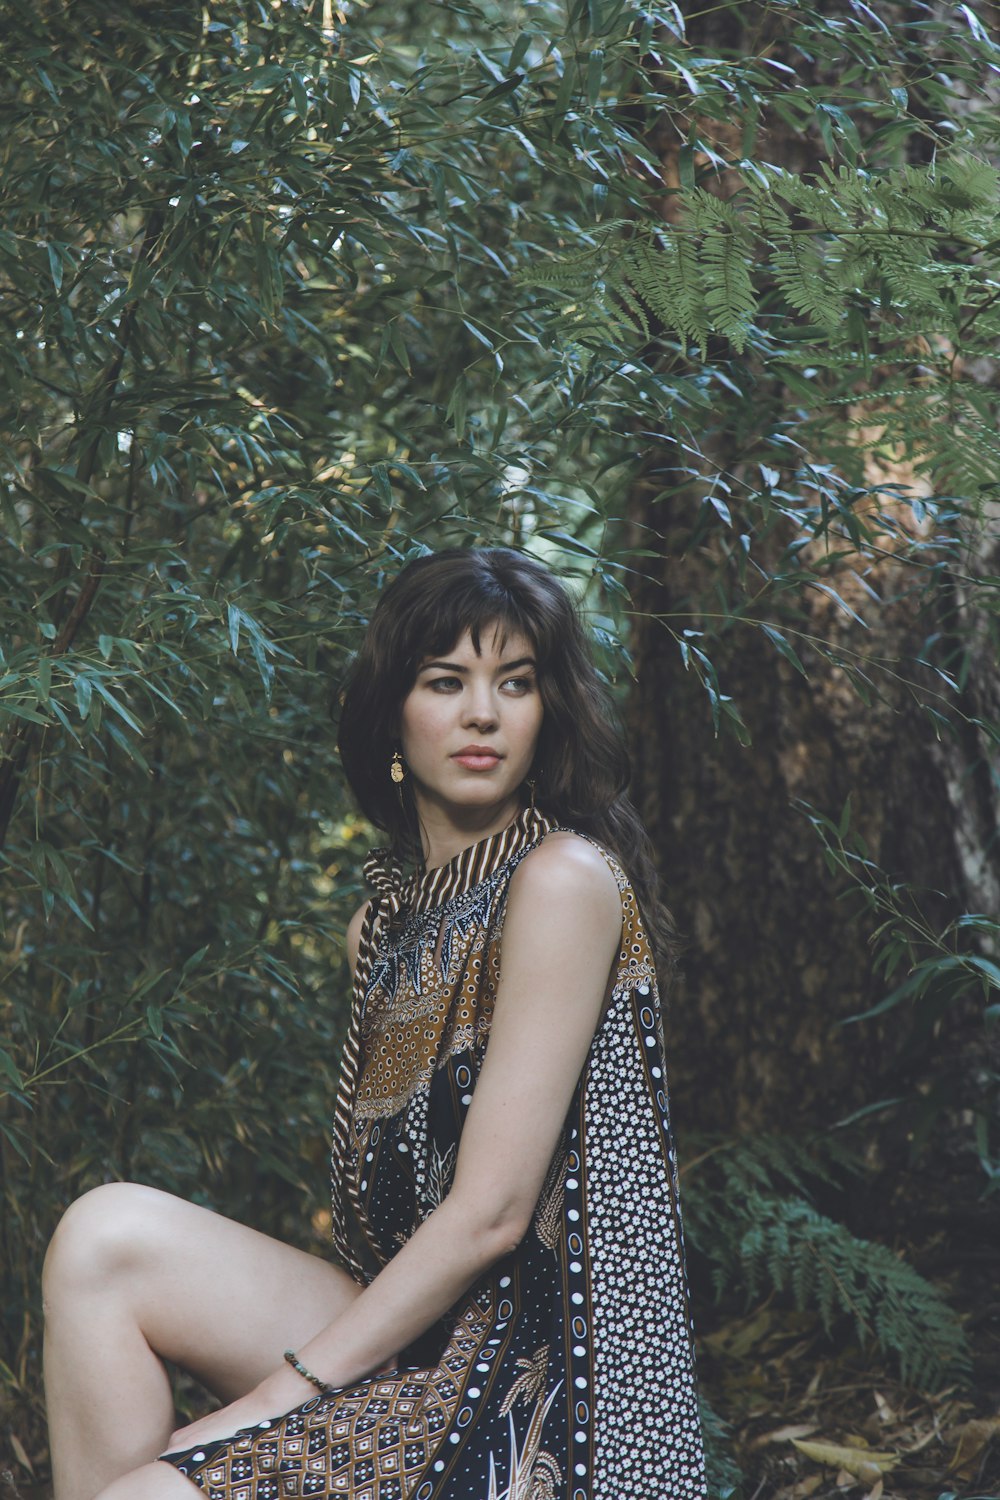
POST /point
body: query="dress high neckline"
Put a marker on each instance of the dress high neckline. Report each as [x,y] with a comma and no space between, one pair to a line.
[421,890]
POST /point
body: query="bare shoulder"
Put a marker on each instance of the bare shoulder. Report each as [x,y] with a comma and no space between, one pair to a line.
[565,867]
[354,927]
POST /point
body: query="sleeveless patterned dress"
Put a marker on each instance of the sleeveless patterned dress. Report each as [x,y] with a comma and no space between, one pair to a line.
[566,1372]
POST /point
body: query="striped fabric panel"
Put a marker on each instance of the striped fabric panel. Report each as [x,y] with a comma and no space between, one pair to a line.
[478,861]
[345,1096]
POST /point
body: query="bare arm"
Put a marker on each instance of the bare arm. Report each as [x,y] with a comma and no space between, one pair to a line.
[561,932]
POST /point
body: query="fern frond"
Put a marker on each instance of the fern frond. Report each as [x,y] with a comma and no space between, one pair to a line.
[665,275]
[911,282]
[765,212]
[748,1211]
[789,1246]
[970,183]
[726,257]
[802,275]
[866,259]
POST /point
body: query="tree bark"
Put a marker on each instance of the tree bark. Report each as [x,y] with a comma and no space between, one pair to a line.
[779,952]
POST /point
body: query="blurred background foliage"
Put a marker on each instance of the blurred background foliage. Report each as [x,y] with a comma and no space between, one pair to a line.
[701,306]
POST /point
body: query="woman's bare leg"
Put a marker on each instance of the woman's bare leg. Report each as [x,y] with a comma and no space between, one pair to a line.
[135,1276]
[152,1482]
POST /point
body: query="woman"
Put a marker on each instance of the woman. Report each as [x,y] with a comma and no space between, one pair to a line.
[509,1320]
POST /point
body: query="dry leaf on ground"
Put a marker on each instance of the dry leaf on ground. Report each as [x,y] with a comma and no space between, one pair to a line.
[784,1434]
[973,1437]
[866,1464]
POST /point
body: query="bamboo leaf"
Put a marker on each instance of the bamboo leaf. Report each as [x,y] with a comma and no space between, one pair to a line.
[784,648]
[10,1069]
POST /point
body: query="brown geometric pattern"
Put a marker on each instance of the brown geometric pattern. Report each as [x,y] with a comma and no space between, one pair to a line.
[370,1442]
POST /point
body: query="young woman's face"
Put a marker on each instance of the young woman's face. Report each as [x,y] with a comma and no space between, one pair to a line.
[470,724]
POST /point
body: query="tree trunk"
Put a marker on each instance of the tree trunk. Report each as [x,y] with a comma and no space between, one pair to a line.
[774,960]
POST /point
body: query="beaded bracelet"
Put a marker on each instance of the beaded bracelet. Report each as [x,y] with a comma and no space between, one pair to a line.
[300,1369]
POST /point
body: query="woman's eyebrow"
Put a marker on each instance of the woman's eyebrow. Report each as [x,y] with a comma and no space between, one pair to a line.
[454,666]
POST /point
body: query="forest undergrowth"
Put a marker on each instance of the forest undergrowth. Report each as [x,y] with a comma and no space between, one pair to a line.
[806,1419]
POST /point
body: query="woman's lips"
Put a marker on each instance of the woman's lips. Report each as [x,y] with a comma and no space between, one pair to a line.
[478,762]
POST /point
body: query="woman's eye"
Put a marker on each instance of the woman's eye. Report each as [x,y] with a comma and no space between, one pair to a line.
[519,685]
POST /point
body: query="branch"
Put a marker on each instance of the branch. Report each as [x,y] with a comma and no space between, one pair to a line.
[96,413]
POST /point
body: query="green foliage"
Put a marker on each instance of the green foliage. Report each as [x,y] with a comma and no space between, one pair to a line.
[284,303]
[259,347]
[723,1476]
[791,1247]
[915,249]
[942,973]
[800,311]
[749,1211]
[828,279]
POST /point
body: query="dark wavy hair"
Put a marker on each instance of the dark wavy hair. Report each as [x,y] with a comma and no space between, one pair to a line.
[581,765]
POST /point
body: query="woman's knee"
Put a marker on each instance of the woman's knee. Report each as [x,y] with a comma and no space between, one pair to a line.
[104,1232]
[152,1482]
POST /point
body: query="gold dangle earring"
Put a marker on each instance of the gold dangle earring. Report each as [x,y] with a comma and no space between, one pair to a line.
[396,768]
[530,783]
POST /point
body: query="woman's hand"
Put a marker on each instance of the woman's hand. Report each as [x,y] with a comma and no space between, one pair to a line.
[272,1398]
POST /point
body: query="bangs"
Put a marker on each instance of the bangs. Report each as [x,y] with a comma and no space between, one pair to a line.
[490,612]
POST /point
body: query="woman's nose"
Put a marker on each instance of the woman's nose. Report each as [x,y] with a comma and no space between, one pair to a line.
[479,708]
